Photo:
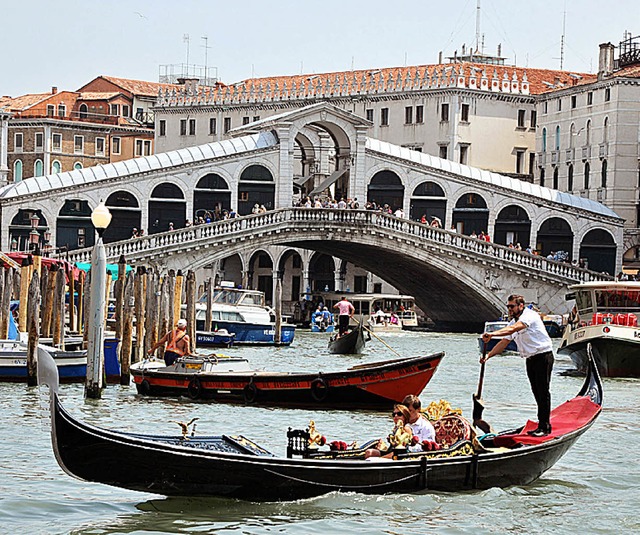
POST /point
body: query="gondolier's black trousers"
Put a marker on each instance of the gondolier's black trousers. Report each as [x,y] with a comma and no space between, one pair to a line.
[539,372]
[343,323]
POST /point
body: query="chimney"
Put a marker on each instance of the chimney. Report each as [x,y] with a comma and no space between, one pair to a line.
[440,58]
[54,90]
[499,49]
[605,61]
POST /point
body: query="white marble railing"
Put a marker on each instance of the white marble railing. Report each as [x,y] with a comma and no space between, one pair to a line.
[287,218]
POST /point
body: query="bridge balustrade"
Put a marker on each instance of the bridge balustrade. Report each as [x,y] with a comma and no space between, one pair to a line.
[286,218]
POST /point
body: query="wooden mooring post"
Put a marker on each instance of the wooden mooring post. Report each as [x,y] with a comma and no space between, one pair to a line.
[139,291]
[33,323]
[126,343]
[191,310]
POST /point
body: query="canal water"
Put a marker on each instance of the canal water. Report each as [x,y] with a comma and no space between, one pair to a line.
[592,489]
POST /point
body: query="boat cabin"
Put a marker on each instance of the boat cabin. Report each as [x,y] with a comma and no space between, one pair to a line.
[600,303]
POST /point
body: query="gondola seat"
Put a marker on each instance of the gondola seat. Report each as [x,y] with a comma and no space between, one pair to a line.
[451,429]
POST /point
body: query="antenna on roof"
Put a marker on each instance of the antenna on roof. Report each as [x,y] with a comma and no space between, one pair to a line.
[564,20]
[206,64]
[185,39]
[478,27]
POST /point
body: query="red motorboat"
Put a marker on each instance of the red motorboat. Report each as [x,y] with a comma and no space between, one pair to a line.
[227,379]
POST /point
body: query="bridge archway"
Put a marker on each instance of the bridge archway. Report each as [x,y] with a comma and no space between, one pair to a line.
[512,226]
[555,235]
[256,186]
[290,273]
[428,198]
[261,274]
[166,205]
[386,187]
[126,215]
[230,269]
[471,214]
[74,228]
[322,269]
[598,248]
[211,194]
[20,228]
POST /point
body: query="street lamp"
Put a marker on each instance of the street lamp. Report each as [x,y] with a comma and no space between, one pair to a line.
[14,244]
[100,217]
[47,241]
[34,235]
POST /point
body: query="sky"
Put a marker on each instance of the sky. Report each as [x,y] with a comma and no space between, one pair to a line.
[67,43]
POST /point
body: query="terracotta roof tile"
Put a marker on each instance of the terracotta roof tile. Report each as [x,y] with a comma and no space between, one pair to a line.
[95,95]
[23,101]
[139,87]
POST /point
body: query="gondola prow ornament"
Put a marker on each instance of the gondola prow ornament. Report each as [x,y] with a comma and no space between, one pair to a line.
[185,428]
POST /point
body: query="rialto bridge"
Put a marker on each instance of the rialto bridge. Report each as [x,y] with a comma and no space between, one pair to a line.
[322,151]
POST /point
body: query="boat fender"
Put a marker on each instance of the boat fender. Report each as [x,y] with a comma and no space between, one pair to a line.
[144,388]
[194,389]
[319,389]
[250,393]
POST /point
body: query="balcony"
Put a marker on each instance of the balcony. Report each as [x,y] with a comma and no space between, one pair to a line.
[603,150]
[569,154]
[542,159]
[555,157]
[586,152]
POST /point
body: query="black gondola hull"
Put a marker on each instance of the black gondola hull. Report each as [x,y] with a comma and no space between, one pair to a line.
[351,343]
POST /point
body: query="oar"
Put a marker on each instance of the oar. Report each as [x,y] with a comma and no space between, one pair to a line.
[478,404]
[381,340]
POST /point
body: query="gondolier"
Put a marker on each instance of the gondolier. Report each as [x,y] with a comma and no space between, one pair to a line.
[177,342]
[346,312]
[534,344]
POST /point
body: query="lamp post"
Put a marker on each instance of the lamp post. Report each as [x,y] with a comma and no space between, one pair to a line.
[34,235]
[47,242]
[100,217]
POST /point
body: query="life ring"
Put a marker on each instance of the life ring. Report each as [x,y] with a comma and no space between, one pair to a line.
[319,389]
[194,390]
[144,388]
[250,393]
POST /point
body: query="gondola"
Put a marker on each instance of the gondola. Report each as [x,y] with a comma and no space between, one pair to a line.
[232,466]
[231,379]
[351,343]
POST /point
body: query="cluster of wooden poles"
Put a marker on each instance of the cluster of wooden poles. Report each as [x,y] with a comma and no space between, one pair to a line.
[144,307]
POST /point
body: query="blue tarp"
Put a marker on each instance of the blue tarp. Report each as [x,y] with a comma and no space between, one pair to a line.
[111,268]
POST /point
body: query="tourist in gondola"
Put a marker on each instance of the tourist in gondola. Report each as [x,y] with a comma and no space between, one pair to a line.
[177,342]
[401,417]
[346,312]
[422,428]
[534,345]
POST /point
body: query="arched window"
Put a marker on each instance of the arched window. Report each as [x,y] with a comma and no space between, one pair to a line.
[56,167]
[558,137]
[587,168]
[604,174]
[588,132]
[542,176]
[38,168]
[555,178]
[77,165]
[570,178]
[17,171]
[605,130]
[544,140]
[83,111]
[572,133]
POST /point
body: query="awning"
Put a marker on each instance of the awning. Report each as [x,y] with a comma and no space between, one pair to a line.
[329,181]
[302,180]
[5,260]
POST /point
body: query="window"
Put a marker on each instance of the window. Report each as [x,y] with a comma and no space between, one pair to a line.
[545,107]
[464,113]
[464,154]
[520,161]
[587,168]
[17,171]
[99,146]
[115,145]
[213,126]
[56,142]
[51,110]
[162,127]
[574,101]
[544,140]
[408,115]
[192,127]
[384,117]
[114,109]
[590,98]
[38,168]
[444,112]
[147,147]
[183,127]
[18,140]
[605,130]
[532,163]
[39,141]
[559,104]
[78,144]
[139,147]
[227,124]
[557,137]
[77,165]
[443,152]
[542,177]
[369,114]
[62,110]
[245,120]
[139,114]
[588,140]
[256,118]
[534,118]
[84,111]
[419,114]
[607,94]
[570,178]
[555,178]
[604,174]
[56,167]
[521,116]
[125,110]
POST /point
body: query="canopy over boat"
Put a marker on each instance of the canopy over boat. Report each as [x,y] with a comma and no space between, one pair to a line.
[233,466]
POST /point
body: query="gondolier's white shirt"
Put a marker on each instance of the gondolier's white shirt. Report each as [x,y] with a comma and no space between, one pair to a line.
[534,339]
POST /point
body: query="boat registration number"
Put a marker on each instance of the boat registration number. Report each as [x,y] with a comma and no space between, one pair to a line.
[194,366]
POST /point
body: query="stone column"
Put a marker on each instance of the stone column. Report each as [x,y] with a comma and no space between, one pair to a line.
[4,147]
[275,276]
[284,180]
[357,178]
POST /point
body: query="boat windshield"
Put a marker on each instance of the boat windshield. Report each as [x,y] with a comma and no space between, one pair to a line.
[237,297]
[607,300]
[495,325]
